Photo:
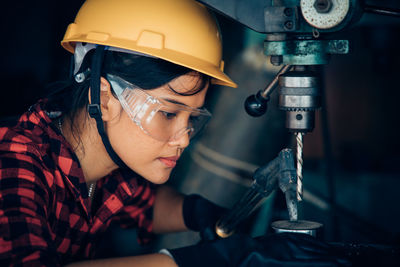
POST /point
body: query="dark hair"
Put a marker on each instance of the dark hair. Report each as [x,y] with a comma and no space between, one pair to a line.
[70,97]
[147,72]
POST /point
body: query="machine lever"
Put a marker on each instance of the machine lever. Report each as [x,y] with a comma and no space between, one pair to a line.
[280,172]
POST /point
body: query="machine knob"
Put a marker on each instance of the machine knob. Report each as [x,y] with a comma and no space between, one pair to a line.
[256,105]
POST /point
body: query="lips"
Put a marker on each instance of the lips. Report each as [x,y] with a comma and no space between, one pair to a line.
[169,161]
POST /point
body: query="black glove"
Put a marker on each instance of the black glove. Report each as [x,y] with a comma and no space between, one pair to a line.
[284,249]
[201,215]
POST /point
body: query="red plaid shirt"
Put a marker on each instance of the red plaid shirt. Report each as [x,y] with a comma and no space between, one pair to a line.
[46,217]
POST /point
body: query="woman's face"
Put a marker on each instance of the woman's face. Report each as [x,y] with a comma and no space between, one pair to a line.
[147,156]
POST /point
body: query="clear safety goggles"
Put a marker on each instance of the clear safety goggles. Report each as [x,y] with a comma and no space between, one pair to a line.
[159,118]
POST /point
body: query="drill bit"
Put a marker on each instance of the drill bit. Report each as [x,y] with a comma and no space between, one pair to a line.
[299,158]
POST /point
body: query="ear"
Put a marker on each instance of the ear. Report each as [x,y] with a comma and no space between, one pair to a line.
[109,104]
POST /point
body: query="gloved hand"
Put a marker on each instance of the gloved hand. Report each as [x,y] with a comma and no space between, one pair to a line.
[285,249]
[201,215]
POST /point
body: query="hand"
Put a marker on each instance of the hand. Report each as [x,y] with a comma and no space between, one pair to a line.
[284,249]
[201,215]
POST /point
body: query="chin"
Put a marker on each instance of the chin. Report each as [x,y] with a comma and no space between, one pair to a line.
[159,177]
[159,180]
[153,173]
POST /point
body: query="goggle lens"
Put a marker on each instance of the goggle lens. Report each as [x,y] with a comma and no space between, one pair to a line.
[159,118]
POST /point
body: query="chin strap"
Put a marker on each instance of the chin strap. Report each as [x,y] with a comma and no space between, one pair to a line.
[94,106]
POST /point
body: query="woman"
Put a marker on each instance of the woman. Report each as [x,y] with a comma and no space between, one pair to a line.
[93,151]
[142,70]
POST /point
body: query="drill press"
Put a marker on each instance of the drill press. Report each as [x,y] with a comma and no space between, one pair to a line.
[298,37]
[294,38]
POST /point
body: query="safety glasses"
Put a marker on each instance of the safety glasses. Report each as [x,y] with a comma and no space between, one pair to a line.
[159,118]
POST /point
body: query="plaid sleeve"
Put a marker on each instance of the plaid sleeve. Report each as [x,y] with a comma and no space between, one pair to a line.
[25,238]
[138,212]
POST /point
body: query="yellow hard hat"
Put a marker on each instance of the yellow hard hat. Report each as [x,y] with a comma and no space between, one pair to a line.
[179,31]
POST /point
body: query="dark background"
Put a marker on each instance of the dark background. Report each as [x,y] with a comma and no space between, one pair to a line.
[352,161]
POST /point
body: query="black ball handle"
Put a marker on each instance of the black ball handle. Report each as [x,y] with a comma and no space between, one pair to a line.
[256,105]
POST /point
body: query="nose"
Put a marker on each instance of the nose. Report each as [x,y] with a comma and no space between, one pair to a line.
[182,140]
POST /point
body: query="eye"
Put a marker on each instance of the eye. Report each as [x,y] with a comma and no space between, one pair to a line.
[168,115]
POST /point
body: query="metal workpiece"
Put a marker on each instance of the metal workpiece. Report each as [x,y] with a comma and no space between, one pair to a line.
[300,226]
[280,172]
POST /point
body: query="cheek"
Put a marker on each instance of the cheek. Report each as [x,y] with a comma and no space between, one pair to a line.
[130,142]
[139,151]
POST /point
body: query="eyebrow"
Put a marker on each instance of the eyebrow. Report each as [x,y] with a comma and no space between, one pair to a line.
[180,103]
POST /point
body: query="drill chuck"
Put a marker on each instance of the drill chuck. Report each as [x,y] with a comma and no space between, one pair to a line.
[299,96]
